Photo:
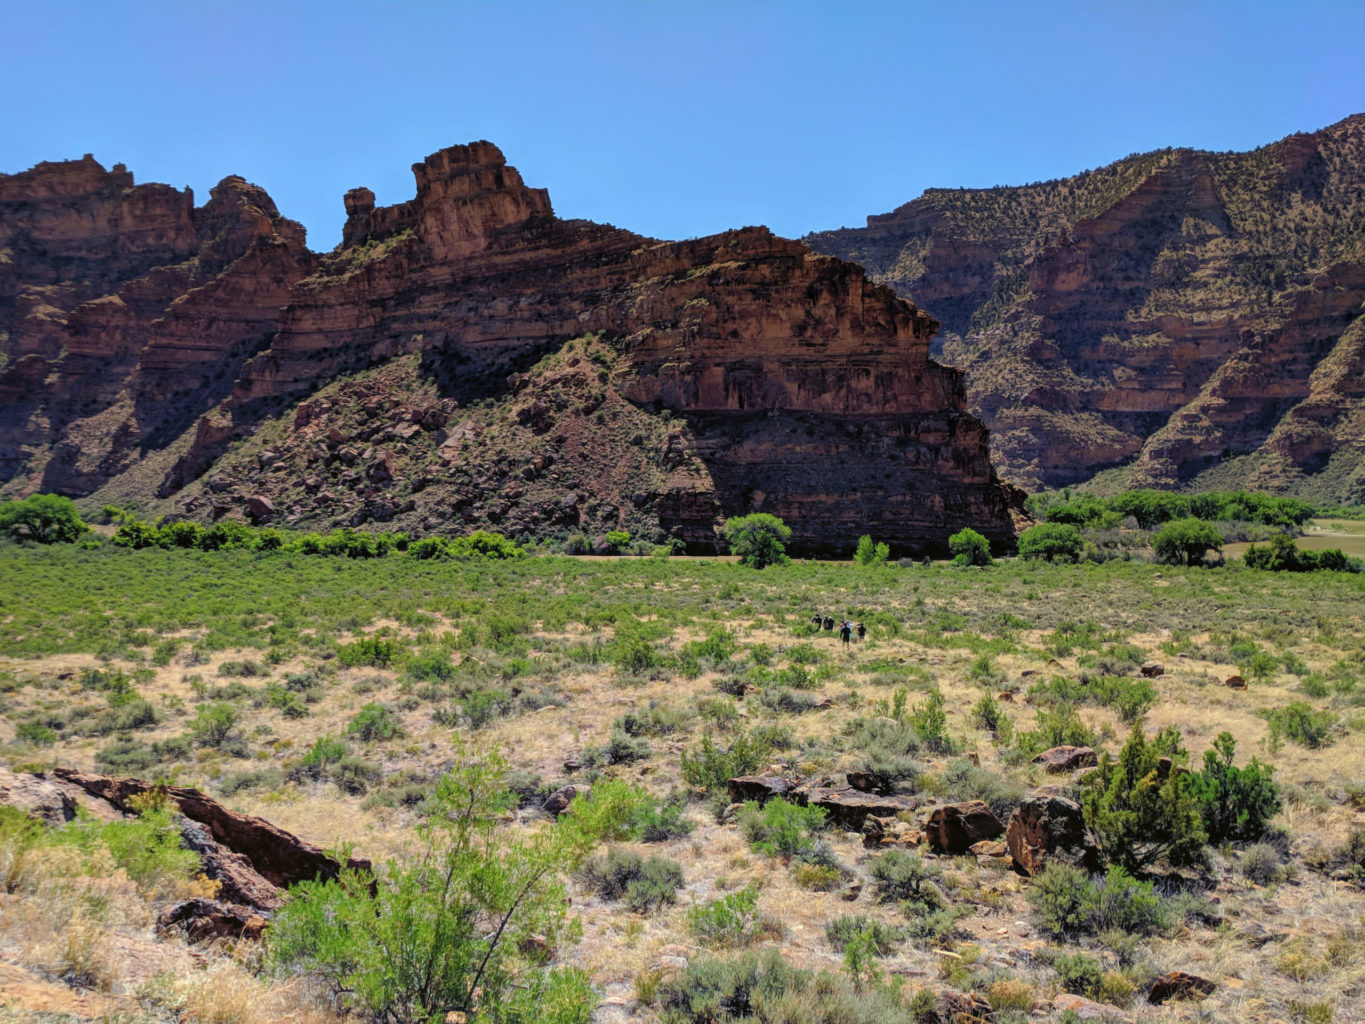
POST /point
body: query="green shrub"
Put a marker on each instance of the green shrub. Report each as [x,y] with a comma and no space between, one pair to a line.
[1067,902]
[374,723]
[759,539]
[781,829]
[213,724]
[969,548]
[762,988]
[1299,722]
[710,767]
[868,553]
[1140,811]
[643,884]
[1053,542]
[731,920]
[904,876]
[1234,803]
[413,943]
[888,749]
[1078,973]
[884,937]
[666,820]
[375,651]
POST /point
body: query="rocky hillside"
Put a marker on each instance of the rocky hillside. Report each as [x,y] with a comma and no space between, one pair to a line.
[1183,318]
[467,359]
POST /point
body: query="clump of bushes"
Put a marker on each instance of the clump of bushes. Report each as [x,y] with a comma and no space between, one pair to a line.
[1067,902]
[643,884]
[1186,542]
[1282,554]
[782,829]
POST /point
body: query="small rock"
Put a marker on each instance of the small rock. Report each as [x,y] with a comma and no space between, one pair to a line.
[1179,985]
[1151,670]
[990,848]
[558,801]
[259,507]
[1235,683]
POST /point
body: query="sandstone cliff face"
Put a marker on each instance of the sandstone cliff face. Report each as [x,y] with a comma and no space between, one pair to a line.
[1166,315]
[125,312]
[467,359]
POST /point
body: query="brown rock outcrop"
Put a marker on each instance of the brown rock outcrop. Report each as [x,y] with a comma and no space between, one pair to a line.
[1176,311]
[955,828]
[1179,985]
[204,919]
[746,373]
[1047,828]
[36,797]
[276,855]
[1059,760]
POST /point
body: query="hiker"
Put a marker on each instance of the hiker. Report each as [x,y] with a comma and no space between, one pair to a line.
[816,620]
[846,632]
[862,632]
[829,622]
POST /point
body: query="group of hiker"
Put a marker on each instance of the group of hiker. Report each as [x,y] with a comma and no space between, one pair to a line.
[847,629]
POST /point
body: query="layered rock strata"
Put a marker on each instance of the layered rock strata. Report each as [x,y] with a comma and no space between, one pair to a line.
[1191,318]
[126,313]
[729,374]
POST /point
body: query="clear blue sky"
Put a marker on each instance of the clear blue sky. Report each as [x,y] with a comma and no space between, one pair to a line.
[671,119]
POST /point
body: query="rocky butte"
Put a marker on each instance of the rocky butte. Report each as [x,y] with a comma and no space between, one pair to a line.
[1180,318]
[467,359]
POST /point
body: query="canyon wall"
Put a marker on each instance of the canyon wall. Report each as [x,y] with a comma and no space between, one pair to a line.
[1178,319]
[468,359]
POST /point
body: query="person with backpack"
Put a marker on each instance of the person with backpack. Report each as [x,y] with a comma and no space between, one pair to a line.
[829,622]
[846,632]
[862,632]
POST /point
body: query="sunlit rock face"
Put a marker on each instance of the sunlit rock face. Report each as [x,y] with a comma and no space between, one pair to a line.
[776,379]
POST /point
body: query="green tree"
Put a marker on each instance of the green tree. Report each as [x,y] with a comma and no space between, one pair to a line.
[969,548]
[759,539]
[45,518]
[1053,542]
[869,553]
[469,924]
[1235,803]
[1186,542]
[1140,809]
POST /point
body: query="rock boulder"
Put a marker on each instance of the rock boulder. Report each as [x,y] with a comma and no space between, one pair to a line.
[955,828]
[1046,828]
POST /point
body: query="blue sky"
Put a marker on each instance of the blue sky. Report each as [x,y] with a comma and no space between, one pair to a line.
[672,119]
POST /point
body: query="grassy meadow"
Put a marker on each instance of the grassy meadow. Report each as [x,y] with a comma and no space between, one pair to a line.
[328,694]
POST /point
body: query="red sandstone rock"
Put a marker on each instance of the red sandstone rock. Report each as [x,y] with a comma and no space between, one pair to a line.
[807,388]
[1076,374]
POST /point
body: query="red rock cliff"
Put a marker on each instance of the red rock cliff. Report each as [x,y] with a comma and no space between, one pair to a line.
[794,384]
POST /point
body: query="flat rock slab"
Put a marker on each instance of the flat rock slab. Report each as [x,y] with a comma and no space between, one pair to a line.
[1067,759]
